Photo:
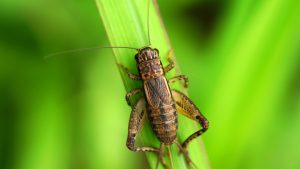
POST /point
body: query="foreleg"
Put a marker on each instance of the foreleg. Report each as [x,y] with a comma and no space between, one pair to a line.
[171,64]
[130,75]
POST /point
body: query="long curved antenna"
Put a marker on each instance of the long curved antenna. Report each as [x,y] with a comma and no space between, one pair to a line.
[84,49]
[126,47]
[148,27]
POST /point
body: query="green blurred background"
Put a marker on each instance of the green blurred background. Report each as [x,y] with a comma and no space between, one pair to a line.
[69,112]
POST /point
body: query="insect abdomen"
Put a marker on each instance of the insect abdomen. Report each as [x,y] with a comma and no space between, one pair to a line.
[161,109]
[164,122]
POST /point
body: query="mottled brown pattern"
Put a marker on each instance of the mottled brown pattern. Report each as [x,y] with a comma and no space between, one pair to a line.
[161,107]
[157,92]
[160,104]
[149,64]
[164,122]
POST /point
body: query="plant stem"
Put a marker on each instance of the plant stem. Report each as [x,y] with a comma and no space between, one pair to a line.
[125,22]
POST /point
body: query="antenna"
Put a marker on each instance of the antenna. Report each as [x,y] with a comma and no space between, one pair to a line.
[84,49]
[148,27]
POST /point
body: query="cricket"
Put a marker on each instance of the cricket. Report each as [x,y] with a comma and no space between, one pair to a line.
[159,103]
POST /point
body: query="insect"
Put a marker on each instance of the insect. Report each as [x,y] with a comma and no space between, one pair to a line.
[159,103]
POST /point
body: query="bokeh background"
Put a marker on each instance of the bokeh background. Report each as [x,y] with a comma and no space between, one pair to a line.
[68,112]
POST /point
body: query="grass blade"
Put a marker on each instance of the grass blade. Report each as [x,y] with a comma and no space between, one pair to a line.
[125,22]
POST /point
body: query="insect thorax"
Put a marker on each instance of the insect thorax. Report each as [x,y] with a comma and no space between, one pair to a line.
[149,64]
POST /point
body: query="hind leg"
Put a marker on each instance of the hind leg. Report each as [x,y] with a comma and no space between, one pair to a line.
[136,121]
[186,107]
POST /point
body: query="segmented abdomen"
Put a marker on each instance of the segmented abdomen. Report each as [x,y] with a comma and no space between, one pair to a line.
[164,122]
[161,109]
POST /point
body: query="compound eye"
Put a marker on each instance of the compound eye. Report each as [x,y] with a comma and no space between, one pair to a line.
[156,51]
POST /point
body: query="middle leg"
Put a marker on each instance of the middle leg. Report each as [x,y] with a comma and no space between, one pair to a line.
[131,93]
[180,77]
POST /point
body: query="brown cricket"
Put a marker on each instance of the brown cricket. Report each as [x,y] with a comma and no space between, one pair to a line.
[160,104]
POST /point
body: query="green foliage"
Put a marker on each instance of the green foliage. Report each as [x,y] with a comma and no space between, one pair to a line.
[241,57]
